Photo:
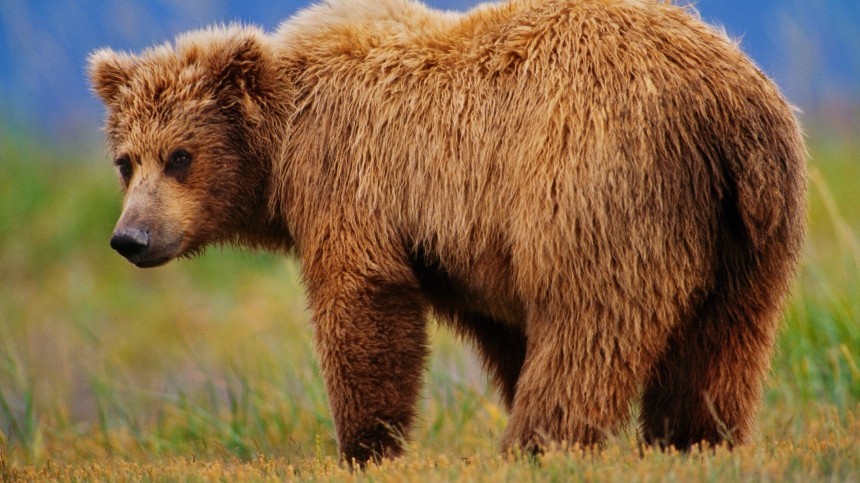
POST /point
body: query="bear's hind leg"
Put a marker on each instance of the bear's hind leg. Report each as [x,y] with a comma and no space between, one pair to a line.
[707,385]
[576,386]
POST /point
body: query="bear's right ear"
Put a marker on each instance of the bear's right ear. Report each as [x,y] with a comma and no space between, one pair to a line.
[109,71]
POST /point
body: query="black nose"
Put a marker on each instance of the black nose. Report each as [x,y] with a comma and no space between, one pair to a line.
[130,242]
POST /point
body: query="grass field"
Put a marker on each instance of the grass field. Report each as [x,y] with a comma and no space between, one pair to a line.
[204,369]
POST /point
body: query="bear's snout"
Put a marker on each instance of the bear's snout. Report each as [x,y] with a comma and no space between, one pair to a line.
[145,245]
[132,243]
[149,231]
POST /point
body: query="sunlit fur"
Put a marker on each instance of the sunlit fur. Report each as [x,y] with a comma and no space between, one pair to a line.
[606,197]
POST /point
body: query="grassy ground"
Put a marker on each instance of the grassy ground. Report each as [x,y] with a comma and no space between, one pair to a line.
[204,369]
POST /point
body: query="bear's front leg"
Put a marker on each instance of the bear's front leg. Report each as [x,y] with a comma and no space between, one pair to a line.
[370,333]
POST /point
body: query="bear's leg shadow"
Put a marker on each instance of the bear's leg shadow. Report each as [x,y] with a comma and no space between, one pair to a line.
[370,333]
[708,384]
[502,349]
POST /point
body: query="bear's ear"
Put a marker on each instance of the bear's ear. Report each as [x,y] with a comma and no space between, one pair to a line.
[239,73]
[109,71]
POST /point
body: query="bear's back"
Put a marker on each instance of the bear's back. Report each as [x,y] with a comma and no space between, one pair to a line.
[533,128]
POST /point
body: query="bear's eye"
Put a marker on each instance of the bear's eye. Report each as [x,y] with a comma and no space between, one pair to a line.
[123,165]
[178,160]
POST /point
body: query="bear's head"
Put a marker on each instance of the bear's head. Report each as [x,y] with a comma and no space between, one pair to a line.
[183,127]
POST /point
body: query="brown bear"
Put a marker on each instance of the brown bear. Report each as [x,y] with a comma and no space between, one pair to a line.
[605,196]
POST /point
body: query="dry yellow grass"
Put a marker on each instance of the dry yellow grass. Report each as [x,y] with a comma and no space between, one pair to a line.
[827,451]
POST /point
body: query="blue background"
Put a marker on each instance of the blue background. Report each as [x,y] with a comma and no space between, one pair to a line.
[810,47]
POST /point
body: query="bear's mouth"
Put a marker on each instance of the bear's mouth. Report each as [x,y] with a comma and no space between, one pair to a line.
[155,262]
[157,256]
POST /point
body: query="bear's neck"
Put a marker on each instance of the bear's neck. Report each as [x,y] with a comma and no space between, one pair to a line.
[264,225]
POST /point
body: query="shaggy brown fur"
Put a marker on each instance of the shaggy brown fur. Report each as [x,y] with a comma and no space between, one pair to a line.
[605,196]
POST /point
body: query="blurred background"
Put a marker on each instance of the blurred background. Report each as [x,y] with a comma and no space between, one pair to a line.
[213,357]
